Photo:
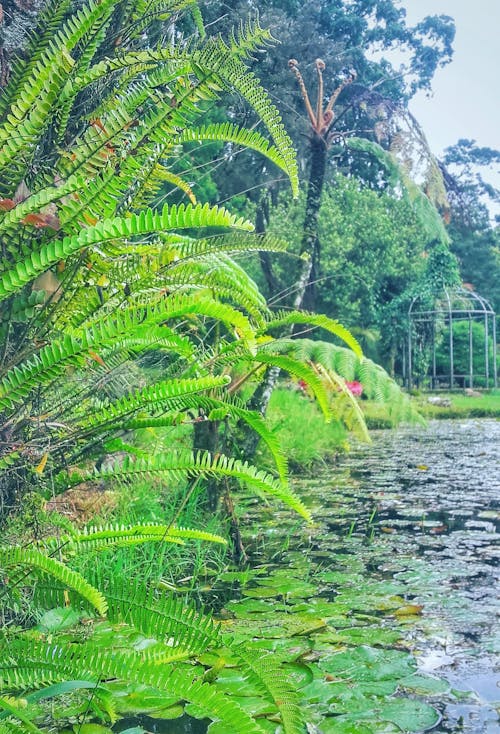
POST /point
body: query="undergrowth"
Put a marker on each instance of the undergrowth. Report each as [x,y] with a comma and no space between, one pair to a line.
[304,435]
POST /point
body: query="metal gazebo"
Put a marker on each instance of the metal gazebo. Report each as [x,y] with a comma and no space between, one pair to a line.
[453,306]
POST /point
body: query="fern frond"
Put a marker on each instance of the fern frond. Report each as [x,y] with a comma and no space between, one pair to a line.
[159,395]
[179,464]
[52,359]
[343,365]
[249,38]
[300,370]
[164,617]
[219,58]
[429,215]
[229,133]
[27,119]
[272,681]
[33,558]
[67,662]
[112,534]
[147,222]
[37,201]
[338,385]
[283,318]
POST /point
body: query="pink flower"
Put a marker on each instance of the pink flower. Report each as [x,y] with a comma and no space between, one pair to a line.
[354,387]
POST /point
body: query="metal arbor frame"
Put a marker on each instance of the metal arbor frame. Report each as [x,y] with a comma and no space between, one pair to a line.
[453,306]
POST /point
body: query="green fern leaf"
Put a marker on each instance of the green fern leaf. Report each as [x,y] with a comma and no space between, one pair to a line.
[147,222]
[35,559]
[324,322]
[176,465]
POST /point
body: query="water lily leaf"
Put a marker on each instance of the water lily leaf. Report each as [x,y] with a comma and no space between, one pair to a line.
[287,649]
[409,714]
[129,699]
[364,636]
[409,610]
[396,715]
[246,608]
[341,578]
[262,592]
[234,683]
[242,576]
[58,619]
[341,726]
[92,729]
[339,690]
[299,673]
[256,705]
[369,664]
[318,691]
[168,712]
[424,685]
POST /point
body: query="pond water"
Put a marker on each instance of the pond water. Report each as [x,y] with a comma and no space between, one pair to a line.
[437,496]
[416,514]
[403,556]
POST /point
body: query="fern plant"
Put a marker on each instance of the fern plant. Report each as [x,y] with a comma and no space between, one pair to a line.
[157,641]
[92,125]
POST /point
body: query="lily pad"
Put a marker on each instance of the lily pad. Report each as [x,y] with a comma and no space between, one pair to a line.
[58,619]
[369,664]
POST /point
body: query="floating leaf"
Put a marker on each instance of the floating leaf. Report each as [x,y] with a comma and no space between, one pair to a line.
[409,610]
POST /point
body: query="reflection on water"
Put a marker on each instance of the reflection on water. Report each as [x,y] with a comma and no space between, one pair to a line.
[183,725]
[436,494]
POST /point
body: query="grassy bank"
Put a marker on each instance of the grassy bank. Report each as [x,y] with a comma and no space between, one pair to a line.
[308,440]
[482,405]
[305,438]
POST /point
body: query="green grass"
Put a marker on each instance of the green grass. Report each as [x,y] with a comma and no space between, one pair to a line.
[462,406]
[304,435]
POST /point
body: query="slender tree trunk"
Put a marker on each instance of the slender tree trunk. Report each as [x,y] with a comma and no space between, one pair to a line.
[310,244]
[261,221]
[206,438]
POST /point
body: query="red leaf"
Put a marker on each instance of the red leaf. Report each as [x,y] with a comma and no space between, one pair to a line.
[7,204]
[98,359]
[42,220]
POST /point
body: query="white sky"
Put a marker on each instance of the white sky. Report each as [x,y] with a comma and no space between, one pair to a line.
[465,102]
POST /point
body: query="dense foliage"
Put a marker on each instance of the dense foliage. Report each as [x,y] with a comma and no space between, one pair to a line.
[138,353]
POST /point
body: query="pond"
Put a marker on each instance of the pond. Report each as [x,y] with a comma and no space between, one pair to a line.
[407,537]
[437,496]
[402,558]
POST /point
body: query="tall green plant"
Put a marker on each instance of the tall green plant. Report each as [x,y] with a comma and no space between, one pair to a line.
[91,128]
[139,644]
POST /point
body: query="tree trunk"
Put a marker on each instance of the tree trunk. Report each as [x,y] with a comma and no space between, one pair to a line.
[310,244]
[206,438]
[261,221]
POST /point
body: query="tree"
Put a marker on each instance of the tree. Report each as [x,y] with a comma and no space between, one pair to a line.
[345,35]
[474,234]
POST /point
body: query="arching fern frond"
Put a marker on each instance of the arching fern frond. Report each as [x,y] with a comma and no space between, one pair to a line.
[67,662]
[217,57]
[343,365]
[300,370]
[284,318]
[159,395]
[161,616]
[147,222]
[271,680]
[35,559]
[227,132]
[114,534]
[176,465]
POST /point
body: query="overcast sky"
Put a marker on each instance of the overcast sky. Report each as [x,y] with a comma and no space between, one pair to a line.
[466,93]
